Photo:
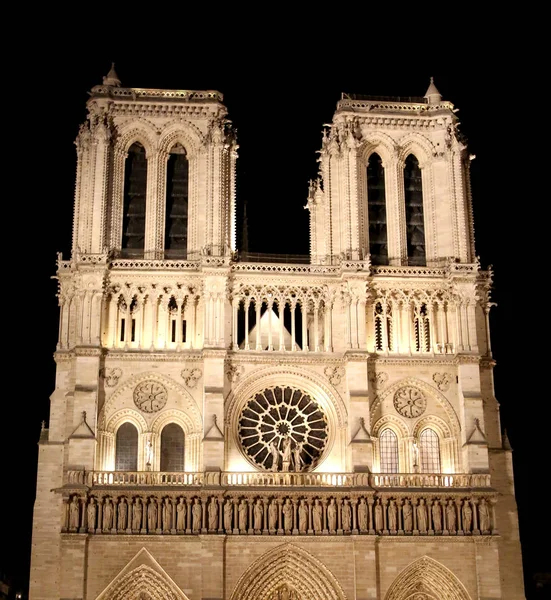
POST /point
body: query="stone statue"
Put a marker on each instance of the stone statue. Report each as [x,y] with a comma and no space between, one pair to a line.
[74,514]
[228,513]
[274,451]
[123,513]
[346,515]
[91,515]
[362,515]
[317,515]
[288,515]
[436,516]
[407,512]
[149,453]
[243,515]
[297,456]
[167,515]
[213,514]
[302,516]
[286,456]
[467,516]
[422,516]
[272,515]
[451,516]
[107,515]
[137,514]
[258,514]
[152,515]
[181,511]
[332,515]
[379,525]
[484,516]
[196,515]
[392,516]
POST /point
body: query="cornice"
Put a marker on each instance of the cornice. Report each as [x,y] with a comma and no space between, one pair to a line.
[144,355]
[276,358]
[409,361]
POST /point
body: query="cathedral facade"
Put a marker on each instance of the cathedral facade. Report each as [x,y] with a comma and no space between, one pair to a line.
[223,429]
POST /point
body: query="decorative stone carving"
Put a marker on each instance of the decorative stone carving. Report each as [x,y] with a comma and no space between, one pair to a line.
[346,515]
[334,374]
[362,515]
[112,376]
[410,402]
[196,515]
[234,372]
[150,396]
[191,377]
[442,381]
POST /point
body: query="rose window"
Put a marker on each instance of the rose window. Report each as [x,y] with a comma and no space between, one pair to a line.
[283,429]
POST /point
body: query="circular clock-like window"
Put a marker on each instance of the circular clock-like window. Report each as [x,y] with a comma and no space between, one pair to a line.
[283,429]
[150,396]
[410,402]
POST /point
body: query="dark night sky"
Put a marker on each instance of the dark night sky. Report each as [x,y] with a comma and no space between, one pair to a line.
[279,91]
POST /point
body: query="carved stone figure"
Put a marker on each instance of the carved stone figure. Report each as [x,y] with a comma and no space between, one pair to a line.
[346,515]
[213,514]
[392,516]
[288,515]
[152,515]
[467,516]
[243,515]
[272,515]
[181,511]
[297,458]
[258,514]
[74,514]
[137,514]
[275,455]
[422,516]
[378,516]
[123,514]
[107,515]
[228,513]
[362,515]
[484,516]
[317,515]
[451,517]
[167,515]
[91,514]
[332,515]
[436,516]
[407,512]
[302,516]
[286,456]
[196,515]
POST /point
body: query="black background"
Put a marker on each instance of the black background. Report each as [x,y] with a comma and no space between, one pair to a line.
[281,82]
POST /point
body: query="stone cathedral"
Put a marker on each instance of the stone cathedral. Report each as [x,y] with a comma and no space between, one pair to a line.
[230,428]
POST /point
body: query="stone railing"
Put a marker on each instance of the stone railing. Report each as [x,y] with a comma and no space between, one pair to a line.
[277,479]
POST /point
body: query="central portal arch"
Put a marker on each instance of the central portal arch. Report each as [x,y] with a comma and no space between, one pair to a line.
[287,573]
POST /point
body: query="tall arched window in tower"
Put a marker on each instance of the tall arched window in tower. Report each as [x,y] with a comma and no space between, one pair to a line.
[135,185]
[421,324]
[415,225]
[429,451]
[388,444]
[126,448]
[383,327]
[376,205]
[176,203]
[172,448]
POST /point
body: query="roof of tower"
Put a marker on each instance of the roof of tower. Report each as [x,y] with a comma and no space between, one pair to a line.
[432,94]
[112,77]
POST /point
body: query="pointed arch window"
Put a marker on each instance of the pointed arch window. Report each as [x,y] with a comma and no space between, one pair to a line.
[126,448]
[135,186]
[177,194]
[415,224]
[383,327]
[421,322]
[172,448]
[376,204]
[429,451]
[388,444]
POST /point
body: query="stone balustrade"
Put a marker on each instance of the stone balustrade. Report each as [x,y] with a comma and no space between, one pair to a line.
[325,512]
[270,479]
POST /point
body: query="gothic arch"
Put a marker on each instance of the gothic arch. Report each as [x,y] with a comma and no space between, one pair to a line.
[139,131]
[189,406]
[392,422]
[126,416]
[292,565]
[380,143]
[419,146]
[429,577]
[144,579]
[430,390]
[185,133]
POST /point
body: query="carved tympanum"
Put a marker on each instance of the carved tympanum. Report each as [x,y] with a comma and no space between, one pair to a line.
[150,396]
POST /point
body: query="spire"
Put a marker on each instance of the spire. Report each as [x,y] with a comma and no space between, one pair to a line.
[506,444]
[112,77]
[432,94]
